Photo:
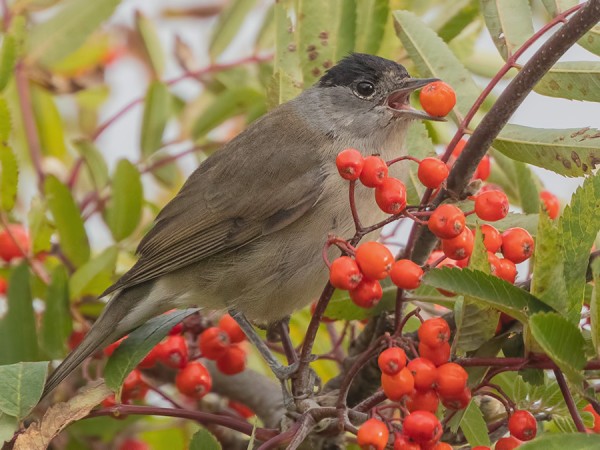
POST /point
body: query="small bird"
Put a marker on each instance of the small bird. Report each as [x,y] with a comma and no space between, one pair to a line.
[246,231]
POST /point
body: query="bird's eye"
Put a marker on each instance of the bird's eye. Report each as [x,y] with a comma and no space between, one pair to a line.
[365,89]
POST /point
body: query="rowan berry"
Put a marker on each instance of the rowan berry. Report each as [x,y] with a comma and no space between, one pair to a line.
[230,326]
[451,379]
[152,357]
[406,274]
[442,446]
[483,169]
[522,425]
[173,352]
[3,286]
[432,172]
[212,342]
[367,294]
[492,239]
[232,361]
[392,360]
[437,356]
[424,372]
[397,386]
[551,204]
[110,349]
[344,273]
[349,163]
[9,249]
[374,259]
[423,401]
[437,98]
[402,442]
[434,332]
[374,171]
[517,245]
[134,387]
[491,205]
[596,428]
[446,222]
[373,434]
[507,270]
[241,409]
[507,443]
[459,247]
[422,427]
[460,401]
[194,380]
[390,196]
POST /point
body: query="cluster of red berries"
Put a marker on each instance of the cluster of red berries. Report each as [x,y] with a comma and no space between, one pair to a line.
[221,343]
[372,262]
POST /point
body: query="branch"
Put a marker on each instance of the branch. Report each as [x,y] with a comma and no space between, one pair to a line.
[564,389]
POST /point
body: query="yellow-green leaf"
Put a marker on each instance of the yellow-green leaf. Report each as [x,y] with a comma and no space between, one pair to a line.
[56,323]
[48,122]
[509,22]
[371,17]
[573,80]
[21,387]
[9,177]
[157,109]
[151,43]
[228,26]
[95,275]
[8,55]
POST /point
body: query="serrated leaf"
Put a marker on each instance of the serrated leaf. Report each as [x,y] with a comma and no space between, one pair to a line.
[17,327]
[40,228]
[571,152]
[419,145]
[56,323]
[95,275]
[124,209]
[94,162]
[562,441]
[433,58]
[509,22]
[474,427]
[228,26]
[573,80]
[157,109]
[595,307]
[204,440]
[371,17]
[48,122]
[9,177]
[69,224]
[526,221]
[138,344]
[68,29]
[529,195]
[487,290]
[8,426]
[548,282]
[8,56]
[21,387]
[151,43]
[562,341]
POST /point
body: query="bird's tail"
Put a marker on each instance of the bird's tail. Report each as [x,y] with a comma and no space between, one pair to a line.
[115,322]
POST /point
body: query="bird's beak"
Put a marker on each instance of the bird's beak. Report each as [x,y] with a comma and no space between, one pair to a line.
[398,101]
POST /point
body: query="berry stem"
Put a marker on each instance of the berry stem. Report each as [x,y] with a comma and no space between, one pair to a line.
[564,389]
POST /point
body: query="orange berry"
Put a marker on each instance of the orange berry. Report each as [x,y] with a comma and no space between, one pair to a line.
[406,274]
[491,205]
[397,386]
[437,98]
[344,273]
[373,434]
[349,163]
[392,360]
[432,172]
[451,379]
[517,245]
[374,171]
[437,356]
[446,222]
[492,239]
[374,259]
[551,204]
[390,196]
[459,247]
[367,294]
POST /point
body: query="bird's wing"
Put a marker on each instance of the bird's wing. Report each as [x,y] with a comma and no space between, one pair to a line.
[262,181]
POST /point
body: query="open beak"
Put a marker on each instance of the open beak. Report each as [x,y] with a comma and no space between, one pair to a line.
[398,101]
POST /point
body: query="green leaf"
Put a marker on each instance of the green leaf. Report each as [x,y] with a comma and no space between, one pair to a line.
[73,238]
[124,209]
[68,29]
[579,224]
[555,7]
[571,152]
[343,39]
[487,290]
[595,307]
[9,177]
[21,387]
[340,306]
[204,440]
[94,162]
[526,221]
[265,38]
[562,341]
[509,22]
[420,145]
[17,327]
[5,120]
[56,323]
[574,80]
[591,40]
[474,427]
[8,56]
[138,344]
[548,282]
[157,108]
[151,43]
[228,26]
[8,426]
[579,441]
[454,18]
[48,122]
[40,228]
[95,275]
[433,58]
[529,194]
[371,16]
[227,104]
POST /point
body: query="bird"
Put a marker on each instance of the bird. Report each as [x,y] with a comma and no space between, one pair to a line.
[245,232]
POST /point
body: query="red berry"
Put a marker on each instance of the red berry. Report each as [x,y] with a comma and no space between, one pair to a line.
[213,342]
[3,286]
[173,352]
[483,169]
[374,171]
[390,196]
[349,163]
[232,361]
[241,409]
[373,434]
[110,349]
[446,222]
[442,446]
[459,247]
[506,270]
[133,444]
[481,447]
[451,380]
[134,387]
[367,294]
[344,273]
[9,250]
[423,401]
[517,245]
[151,358]
[437,98]
[194,380]
[460,401]
[392,360]
[432,172]
[522,425]
[596,416]
[406,274]
[491,205]
[424,372]
[422,426]
[229,325]
[402,442]
[492,240]
[494,262]
[374,259]
[397,386]
[177,329]
[437,356]
[551,204]
[434,332]
[507,443]
[75,339]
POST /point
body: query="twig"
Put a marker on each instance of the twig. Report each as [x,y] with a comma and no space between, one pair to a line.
[564,389]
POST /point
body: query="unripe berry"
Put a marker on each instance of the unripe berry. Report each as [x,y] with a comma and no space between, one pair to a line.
[349,163]
[374,171]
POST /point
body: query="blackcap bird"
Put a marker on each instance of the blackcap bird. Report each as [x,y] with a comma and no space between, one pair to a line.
[246,231]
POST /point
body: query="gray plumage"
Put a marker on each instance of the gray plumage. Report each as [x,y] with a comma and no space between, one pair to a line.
[247,228]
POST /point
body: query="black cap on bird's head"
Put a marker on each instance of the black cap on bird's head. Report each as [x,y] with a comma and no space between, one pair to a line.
[378,80]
